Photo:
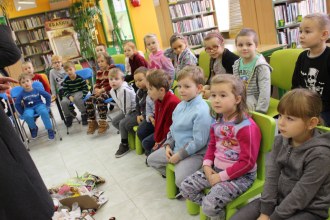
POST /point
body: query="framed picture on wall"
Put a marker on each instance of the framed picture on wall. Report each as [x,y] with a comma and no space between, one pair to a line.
[66,46]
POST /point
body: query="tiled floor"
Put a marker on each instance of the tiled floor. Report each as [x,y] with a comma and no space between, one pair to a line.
[134,190]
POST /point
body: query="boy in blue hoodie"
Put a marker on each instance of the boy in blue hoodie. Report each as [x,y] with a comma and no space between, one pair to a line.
[31,98]
[186,141]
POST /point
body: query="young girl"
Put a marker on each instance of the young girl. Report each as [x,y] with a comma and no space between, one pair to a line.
[253,69]
[222,59]
[230,161]
[180,53]
[101,92]
[135,60]
[157,59]
[298,176]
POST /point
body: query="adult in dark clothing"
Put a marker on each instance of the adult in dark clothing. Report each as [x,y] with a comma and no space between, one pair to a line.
[23,195]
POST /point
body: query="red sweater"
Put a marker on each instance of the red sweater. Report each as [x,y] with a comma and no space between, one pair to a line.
[102,79]
[163,115]
[38,77]
[135,63]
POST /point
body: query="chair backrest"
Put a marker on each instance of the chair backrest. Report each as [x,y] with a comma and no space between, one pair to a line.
[3,96]
[78,66]
[323,128]
[14,92]
[85,73]
[121,67]
[267,126]
[118,58]
[283,63]
[204,63]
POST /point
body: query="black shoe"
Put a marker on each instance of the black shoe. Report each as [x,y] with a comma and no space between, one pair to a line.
[84,119]
[68,121]
[73,112]
[123,149]
[147,162]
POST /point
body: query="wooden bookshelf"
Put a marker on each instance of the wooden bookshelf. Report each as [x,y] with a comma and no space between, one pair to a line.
[193,19]
[32,39]
[288,15]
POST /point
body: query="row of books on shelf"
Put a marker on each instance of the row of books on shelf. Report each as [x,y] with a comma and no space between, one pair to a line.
[196,39]
[40,63]
[39,34]
[289,36]
[193,24]
[190,8]
[29,50]
[28,23]
[290,12]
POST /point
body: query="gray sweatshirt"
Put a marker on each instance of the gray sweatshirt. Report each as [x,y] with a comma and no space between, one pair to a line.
[258,89]
[56,79]
[298,178]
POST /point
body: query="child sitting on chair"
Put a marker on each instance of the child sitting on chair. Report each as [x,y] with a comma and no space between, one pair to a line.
[124,96]
[253,69]
[229,166]
[187,139]
[297,182]
[33,104]
[100,94]
[74,90]
[135,60]
[28,68]
[56,78]
[165,103]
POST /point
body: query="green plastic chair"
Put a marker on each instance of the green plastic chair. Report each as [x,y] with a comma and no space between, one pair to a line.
[131,140]
[119,58]
[283,63]
[138,144]
[175,89]
[267,127]
[204,63]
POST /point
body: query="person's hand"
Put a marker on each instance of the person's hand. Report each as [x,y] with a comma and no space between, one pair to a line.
[168,152]
[97,92]
[263,217]
[152,120]
[71,98]
[214,179]
[174,159]
[139,118]
[4,83]
[208,171]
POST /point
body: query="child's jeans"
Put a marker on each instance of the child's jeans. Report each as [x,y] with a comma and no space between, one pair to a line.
[40,109]
[125,123]
[145,129]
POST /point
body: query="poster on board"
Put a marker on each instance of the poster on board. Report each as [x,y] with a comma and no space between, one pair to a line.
[63,38]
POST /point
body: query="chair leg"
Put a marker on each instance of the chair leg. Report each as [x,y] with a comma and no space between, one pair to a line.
[202,216]
[131,140]
[138,145]
[170,181]
[192,208]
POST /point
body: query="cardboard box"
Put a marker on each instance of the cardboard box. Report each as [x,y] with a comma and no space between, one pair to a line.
[84,202]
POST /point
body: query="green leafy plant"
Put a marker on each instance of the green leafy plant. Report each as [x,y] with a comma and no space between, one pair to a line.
[85,14]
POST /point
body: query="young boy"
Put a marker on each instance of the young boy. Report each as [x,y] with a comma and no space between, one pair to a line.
[28,68]
[187,139]
[124,96]
[165,103]
[312,69]
[74,90]
[33,104]
[56,78]
[253,69]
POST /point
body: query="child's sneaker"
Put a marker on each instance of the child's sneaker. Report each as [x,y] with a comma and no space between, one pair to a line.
[34,132]
[123,149]
[51,134]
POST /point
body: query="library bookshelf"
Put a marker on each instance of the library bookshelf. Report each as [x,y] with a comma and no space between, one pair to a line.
[32,39]
[193,19]
[288,15]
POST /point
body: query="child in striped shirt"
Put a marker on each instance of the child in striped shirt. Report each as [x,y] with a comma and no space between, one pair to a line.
[74,90]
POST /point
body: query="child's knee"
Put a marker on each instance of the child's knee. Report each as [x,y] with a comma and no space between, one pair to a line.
[211,206]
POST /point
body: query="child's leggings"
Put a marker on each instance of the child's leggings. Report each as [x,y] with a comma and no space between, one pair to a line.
[214,202]
[40,109]
[101,106]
